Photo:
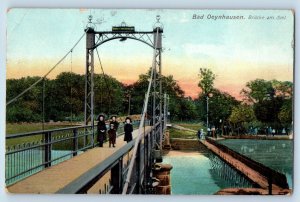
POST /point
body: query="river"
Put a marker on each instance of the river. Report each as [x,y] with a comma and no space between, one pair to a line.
[202,173]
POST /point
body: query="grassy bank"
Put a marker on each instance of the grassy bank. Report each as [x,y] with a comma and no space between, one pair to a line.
[193,126]
[175,133]
[14,128]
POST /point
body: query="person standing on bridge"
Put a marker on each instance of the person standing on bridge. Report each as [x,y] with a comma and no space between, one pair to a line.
[101,130]
[112,135]
[128,129]
[114,122]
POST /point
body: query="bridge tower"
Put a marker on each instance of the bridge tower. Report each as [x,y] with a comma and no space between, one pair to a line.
[123,32]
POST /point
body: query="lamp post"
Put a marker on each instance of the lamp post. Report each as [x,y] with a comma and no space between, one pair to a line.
[207,110]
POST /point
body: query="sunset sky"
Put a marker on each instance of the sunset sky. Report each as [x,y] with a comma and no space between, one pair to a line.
[237,51]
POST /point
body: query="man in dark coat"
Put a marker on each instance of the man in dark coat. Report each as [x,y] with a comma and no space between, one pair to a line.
[112,135]
[128,129]
[101,130]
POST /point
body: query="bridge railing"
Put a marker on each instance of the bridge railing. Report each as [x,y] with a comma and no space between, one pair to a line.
[28,153]
[117,166]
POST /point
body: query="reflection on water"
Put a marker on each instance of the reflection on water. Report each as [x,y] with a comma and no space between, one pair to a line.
[276,154]
[202,173]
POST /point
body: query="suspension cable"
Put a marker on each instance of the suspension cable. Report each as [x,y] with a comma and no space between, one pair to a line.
[136,144]
[38,81]
[71,88]
[106,82]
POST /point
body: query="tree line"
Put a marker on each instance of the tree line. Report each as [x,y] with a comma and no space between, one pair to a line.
[266,104]
[64,98]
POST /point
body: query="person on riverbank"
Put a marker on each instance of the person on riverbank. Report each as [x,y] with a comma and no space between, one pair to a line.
[128,129]
[101,130]
[283,131]
[273,132]
[112,135]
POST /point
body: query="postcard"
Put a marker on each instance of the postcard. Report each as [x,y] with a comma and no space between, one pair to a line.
[149,101]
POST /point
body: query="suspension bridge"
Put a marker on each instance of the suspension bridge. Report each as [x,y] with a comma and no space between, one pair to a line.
[82,167]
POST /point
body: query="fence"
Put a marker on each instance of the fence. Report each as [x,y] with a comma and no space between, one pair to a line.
[28,153]
[118,167]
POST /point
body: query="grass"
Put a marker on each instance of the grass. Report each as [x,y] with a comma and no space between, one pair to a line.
[175,133]
[193,126]
[14,128]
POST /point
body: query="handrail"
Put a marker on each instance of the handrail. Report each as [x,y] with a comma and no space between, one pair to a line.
[81,184]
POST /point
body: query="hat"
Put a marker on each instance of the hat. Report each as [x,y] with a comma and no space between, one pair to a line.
[100,115]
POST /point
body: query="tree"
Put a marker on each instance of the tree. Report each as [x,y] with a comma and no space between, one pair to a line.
[286,113]
[206,82]
[109,95]
[283,89]
[179,106]
[27,107]
[272,101]
[241,115]
[258,90]
[65,96]
[220,106]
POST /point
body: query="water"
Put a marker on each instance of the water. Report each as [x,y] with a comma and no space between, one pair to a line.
[198,173]
[276,154]
[23,161]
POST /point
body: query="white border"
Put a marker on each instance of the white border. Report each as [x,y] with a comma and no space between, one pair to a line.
[190,4]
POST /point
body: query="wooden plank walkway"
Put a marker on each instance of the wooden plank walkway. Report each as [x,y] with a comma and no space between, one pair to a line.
[253,175]
[58,176]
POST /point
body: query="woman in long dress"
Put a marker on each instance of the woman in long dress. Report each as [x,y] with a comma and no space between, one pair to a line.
[101,130]
[128,129]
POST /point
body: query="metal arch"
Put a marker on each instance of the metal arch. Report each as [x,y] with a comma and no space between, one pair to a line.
[120,37]
[95,39]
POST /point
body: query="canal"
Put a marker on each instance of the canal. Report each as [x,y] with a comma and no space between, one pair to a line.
[201,172]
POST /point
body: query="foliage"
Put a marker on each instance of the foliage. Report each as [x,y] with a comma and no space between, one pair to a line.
[64,96]
[242,113]
[286,113]
[258,90]
[206,82]
[267,111]
[220,106]
[180,108]
[272,101]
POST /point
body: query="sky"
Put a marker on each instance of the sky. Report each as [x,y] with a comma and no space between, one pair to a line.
[236,50]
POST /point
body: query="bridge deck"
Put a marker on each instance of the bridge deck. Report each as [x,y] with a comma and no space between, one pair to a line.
[58,176]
